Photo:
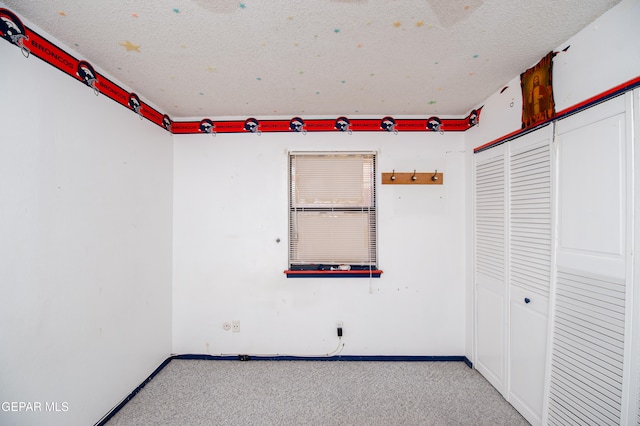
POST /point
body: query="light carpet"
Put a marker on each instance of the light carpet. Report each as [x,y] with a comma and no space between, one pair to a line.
[205,392]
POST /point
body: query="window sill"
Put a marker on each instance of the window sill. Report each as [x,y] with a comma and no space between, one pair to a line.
[374,273]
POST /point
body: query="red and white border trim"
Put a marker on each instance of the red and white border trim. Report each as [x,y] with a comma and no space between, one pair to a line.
[31,43]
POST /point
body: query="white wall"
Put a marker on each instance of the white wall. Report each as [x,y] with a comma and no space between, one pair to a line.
[85,245]
[601,56]
[230,207]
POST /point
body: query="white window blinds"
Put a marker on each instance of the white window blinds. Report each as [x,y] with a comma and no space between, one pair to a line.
[332,209]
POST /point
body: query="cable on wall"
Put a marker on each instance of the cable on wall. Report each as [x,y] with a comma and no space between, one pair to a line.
[334,352]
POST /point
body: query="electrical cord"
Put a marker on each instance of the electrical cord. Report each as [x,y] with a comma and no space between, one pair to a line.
[334,352]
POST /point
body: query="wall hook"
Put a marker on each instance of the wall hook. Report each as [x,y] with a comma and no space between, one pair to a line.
[20,39]
[93,84]
[412,178]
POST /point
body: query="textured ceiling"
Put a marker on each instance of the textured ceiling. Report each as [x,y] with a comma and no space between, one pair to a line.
[241,58]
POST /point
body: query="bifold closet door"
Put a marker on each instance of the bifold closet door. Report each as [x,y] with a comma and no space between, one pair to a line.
[588,357]
[513,267]
[529,260]
[490,267]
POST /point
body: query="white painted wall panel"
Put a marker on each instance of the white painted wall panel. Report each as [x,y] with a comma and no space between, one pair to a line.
[228,264]
[85,245]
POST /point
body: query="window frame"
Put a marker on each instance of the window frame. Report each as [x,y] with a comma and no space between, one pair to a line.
[321,205]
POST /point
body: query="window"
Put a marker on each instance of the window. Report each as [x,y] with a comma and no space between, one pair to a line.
[332,214]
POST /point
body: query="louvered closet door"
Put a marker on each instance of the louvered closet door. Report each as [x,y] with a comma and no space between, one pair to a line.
[530,211]
[490,243]
[588,380]
[529,260]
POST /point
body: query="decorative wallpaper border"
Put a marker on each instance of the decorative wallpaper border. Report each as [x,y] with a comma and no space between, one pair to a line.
[31,43]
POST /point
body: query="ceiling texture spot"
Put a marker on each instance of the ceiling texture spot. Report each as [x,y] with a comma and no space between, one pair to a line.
[130,46]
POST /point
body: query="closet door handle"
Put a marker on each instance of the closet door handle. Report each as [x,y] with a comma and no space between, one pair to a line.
[527,300]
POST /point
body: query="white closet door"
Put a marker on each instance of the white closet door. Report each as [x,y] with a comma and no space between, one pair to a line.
[588,346]
[490,267]
[530,249]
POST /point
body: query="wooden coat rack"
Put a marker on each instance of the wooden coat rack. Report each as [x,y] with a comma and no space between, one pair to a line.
[412,178]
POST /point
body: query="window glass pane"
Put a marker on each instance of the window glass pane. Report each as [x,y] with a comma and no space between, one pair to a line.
[332,180]
[332,237]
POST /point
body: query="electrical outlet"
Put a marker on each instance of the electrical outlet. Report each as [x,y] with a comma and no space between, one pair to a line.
[339,324]
[226,326]
[235,326]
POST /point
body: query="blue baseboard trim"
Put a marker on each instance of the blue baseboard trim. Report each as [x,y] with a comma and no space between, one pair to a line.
[404,358]
[391,358]
[118,407]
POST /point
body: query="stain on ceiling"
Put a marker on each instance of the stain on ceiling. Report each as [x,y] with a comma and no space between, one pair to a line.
[241,58]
